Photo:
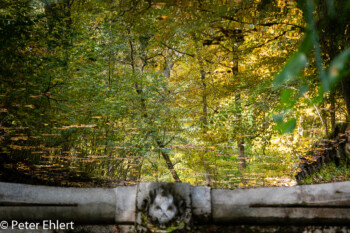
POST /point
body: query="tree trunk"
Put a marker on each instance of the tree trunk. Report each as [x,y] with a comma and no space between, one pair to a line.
[134,174]
[205,120]
[204,117]
[166,72]
[332,110]
[324,119]
[168,161]
[240,141]
[345,83]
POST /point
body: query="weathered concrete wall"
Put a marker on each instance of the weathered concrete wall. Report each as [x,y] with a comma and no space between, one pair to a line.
[305,204]
[36,203]
[80,205]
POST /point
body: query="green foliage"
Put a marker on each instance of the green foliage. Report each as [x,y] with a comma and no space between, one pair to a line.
[291,69]
[336,68]
[144,91]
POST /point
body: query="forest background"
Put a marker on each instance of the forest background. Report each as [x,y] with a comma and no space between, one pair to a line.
[221,93]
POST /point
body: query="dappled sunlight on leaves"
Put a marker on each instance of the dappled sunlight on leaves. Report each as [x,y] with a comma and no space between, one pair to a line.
[106,93]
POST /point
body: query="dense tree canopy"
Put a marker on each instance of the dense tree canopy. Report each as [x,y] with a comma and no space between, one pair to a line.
[224,93]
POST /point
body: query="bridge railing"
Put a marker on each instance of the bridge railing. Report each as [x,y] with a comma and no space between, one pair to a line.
[171,206]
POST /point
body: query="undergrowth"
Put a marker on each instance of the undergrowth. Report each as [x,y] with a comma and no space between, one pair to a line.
[329,173]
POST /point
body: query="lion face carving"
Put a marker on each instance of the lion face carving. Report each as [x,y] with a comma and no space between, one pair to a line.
[163,208]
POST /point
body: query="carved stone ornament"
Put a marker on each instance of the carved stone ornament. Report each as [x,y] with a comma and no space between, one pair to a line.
[163,207]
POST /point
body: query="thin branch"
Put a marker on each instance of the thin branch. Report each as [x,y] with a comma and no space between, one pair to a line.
[262,24]
[178,51]
[261,45]
[192,55]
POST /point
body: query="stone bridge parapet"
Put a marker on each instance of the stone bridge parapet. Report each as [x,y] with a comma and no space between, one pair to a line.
[177,207]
